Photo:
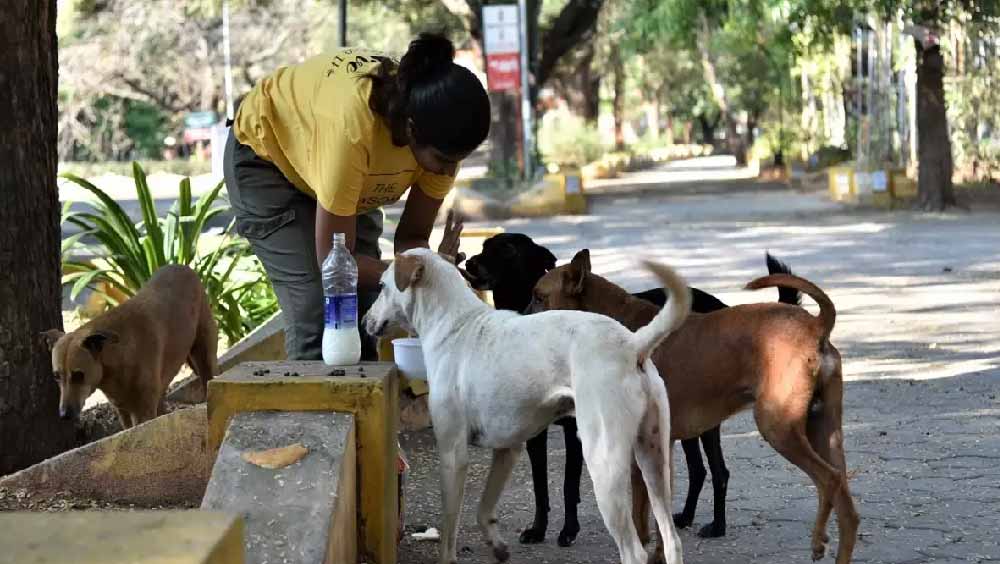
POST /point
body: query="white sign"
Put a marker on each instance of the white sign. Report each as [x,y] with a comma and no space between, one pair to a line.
[501,33]
[573,184]
[880,183]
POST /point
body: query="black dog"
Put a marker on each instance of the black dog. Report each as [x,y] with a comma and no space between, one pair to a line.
[510,265]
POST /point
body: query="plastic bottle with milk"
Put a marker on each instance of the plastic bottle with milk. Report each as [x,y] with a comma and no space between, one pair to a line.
[341,340]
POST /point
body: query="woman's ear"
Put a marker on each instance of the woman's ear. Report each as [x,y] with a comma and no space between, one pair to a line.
[410,126]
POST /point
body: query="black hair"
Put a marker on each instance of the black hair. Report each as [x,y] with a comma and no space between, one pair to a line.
[426,94]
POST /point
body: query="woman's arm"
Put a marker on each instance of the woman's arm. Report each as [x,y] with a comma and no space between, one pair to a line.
[414,229]
[369,269]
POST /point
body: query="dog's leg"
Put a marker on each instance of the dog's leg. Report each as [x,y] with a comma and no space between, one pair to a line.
[148,410]
[204,352]
[696,481]
[784,427]
[712,442]
[609,465]
[571,483]
[124,417]
[453,448]
[503,465]
[640,505]
[537,454]
[653,454]
[827,438]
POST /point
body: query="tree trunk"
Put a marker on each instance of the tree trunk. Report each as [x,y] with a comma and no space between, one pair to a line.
[590,86]
[735,141]
[707,129]
[751,125]
[668,131]
[208,83]
[30,294]
[934,185]
[618,67]
[652,120]
[688,127]
[505,130]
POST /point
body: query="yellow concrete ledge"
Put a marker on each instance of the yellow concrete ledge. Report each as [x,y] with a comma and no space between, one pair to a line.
[164,460]
[556,194]
[370,391]
[118,537]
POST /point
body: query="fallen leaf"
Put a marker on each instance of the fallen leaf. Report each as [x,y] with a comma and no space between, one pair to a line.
[275,458]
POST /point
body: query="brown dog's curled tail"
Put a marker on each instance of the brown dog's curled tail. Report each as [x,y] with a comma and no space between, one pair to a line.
[674,312]
[827,312]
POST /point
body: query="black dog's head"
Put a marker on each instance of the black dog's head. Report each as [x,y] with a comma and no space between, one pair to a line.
[510,265]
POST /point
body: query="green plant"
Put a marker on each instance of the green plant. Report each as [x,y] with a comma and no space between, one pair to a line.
[508,172]
[565,139]
[129,253]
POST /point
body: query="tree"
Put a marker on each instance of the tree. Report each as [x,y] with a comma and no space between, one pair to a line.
[30,294]
[926,19]
[117,56]
[725,36]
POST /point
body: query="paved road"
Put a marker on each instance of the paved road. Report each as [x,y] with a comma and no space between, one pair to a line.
[917,297]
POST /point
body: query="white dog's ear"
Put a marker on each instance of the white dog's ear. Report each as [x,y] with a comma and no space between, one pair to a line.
[408,271]
[579,269]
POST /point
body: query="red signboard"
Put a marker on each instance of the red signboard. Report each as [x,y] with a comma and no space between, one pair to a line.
[503,71]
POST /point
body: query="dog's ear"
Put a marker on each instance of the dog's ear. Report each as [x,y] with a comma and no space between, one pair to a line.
[579,268]
[408,271]
[51,337]
[95,341]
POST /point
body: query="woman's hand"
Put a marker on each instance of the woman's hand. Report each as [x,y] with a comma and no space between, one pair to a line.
[450,242]
[369,269]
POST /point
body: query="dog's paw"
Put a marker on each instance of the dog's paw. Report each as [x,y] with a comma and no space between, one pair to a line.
[682,521]
[656,557]
[818,551]
[568,535]
[501,552]
[712,530]
[533,535]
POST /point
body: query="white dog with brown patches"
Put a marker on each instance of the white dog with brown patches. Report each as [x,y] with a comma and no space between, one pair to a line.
[497,379]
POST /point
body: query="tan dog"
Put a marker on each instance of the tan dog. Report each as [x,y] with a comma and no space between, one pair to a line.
[774,356]
[132,352]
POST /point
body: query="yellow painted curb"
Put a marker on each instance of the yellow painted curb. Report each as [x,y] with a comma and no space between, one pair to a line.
[370,391]
[122,537]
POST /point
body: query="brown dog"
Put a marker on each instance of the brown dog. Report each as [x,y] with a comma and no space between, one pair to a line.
[132,352]
[774,356]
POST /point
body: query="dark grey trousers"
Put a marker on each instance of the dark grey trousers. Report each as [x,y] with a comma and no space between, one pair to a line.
[279,221]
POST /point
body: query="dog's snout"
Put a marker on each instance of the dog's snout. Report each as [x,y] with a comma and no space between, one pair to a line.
[371,328]
[534,306]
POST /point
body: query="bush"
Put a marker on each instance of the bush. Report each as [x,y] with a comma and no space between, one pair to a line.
[566,140]
[130,253]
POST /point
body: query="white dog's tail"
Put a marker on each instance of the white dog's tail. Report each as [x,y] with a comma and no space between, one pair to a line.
[674,312]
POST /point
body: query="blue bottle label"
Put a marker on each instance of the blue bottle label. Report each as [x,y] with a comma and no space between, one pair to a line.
[341,311]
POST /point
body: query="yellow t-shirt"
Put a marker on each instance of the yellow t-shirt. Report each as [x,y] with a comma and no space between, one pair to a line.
[312,120]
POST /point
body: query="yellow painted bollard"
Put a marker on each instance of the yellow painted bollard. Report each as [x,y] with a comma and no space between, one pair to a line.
[842,184]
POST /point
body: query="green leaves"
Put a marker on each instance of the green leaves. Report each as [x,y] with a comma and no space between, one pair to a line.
[129,253]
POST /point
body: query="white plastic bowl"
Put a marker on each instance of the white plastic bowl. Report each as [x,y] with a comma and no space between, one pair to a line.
[409,358]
